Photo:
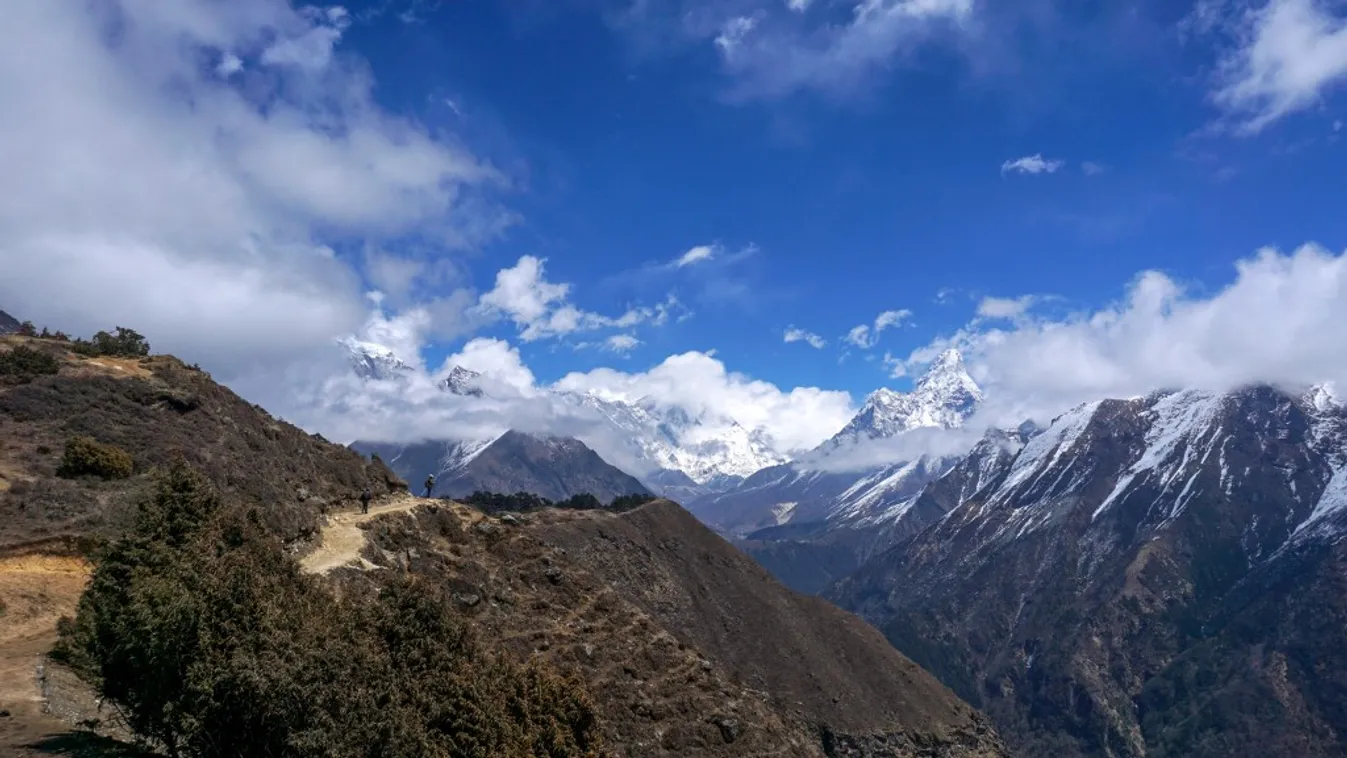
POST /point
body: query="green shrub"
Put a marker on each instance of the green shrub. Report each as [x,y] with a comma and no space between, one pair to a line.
[126,343]
[23,364]
[202,630]
[85,456]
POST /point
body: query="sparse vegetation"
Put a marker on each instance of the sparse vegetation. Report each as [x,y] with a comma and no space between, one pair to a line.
[23,364]
[85,456]
[202,629]
[523,502]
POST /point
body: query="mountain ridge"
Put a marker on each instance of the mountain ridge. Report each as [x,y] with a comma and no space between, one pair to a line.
[1128,558]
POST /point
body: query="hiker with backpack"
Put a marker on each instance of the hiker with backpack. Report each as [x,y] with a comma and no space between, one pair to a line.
[430,484]
[365,497]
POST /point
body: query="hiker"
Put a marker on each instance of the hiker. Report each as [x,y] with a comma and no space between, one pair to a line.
[430,484]
[365,497]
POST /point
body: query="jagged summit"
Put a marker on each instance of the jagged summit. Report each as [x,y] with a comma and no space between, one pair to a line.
[371,360]
[463,381]
[944,397]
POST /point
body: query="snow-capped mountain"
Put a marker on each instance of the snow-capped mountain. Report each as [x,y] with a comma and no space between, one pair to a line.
[370,360]
[818,490]
[715,453]
[943,398]
[465,382]
[1184,541]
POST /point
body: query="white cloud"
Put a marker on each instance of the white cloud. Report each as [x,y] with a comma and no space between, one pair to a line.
[799,6]
[867,335]
[1279,322]
[621,343]
[771,56]
[733,33]
[229,65]
[701,384]
[1005,307]
[203,208]
[696,255]
[523,294]
[540,308]
[800,335]
[1032,164]
[1090,168]
[1289,54]
[494,358]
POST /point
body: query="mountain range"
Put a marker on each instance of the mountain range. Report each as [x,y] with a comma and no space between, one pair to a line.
[1162,575]
[646,625]
[1155,576]
[810,519]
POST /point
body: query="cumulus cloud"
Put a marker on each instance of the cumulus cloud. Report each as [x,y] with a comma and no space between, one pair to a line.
[866,336]
[809,338]
[1278,322]
[1032,164]
[541,308]
[701,384]
[414,407]
[1285,57]
[203,204]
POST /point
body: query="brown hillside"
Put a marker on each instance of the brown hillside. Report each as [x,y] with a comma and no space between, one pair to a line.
[154,408]
[690,649]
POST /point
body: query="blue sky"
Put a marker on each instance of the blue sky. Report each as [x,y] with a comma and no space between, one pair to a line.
[1084,202]
[860,196]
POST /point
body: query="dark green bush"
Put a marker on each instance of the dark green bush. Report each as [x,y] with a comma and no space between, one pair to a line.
[126,343]
[202,629]
[24,364]
[85,456]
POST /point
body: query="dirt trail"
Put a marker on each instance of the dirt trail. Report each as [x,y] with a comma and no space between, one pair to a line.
[36,591]
[342,539]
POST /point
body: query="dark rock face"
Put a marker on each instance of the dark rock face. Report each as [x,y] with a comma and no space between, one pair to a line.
[1161,576]
[8,324]
[555,468]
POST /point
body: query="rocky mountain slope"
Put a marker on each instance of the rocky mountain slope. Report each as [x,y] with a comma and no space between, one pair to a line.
[693,650]
[156,408]
[686,647]
[552,467]
[8,324]
[1159,576]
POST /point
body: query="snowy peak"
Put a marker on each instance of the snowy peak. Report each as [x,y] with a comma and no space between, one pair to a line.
[370,360]
[944,397]
[465,382]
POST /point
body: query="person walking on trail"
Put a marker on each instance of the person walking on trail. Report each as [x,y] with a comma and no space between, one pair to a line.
[365,497]
[430,484]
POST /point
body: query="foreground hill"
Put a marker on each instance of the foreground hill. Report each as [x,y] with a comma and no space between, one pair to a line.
[555,468]
[154,408]
[1161,576]
[691,648]
[672,668]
